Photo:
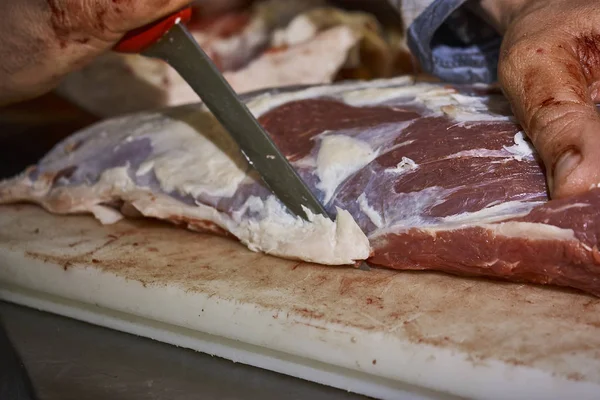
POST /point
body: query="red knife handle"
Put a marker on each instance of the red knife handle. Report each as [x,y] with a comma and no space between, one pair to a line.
[138,40]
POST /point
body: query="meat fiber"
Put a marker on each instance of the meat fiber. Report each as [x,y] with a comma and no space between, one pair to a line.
[420,176]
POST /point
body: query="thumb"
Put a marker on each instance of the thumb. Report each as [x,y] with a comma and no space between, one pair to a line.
[550,97]
[577,169]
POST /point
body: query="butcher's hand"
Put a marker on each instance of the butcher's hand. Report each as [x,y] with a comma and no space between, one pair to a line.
[43,40]
[550,71]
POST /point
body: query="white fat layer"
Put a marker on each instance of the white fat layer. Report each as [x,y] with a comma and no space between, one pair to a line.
[254,36]
[296,65]
[144,168]
[471,109]
[365,97]
[276,232]
[338,158]
[470,114]
[432,96]
[106,215]
[369,211]
[439,100]
[486,153]
[266,102]
[379,137]
[299,30]
[510,229]
[306,162]
[531,231]
[405,165]
[568,207]
[515,229]
[512,209]
[268,228]
[117,178]
[194,161]
[522,147]
[405,211]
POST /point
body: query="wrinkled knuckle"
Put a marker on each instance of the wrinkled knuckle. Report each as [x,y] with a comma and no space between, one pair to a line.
[552,130]
[544,119]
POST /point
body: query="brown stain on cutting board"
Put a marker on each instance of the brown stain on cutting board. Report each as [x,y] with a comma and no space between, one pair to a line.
[521,325]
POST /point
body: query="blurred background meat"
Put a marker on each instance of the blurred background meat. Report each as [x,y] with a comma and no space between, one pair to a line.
[256,44]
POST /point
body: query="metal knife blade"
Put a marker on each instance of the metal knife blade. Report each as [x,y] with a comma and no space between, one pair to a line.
[179,48]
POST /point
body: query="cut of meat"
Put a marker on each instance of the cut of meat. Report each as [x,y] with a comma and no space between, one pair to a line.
[296,65]
[271,44]
[116,83]
[420,176]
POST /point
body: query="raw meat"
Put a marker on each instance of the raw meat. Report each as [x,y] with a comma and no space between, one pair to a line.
[296,65]
[271,44]
[421,176]
[122,83]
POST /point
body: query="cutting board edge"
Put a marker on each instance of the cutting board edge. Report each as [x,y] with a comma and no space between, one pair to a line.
[307,340]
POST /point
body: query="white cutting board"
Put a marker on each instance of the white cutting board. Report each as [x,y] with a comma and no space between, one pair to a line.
[381,333]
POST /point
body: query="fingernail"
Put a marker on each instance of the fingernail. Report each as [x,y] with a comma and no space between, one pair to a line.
[565,166]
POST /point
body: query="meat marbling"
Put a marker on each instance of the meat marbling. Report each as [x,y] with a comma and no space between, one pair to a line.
[420,175]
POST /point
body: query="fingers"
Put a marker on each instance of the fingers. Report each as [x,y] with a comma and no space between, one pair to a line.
[549,93]
[577,169]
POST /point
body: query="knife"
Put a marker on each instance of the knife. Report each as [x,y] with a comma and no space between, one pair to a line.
[168,39]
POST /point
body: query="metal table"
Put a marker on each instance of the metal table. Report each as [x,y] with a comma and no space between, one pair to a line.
[68,359]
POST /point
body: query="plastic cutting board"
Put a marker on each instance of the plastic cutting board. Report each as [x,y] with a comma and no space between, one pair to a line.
[381,333]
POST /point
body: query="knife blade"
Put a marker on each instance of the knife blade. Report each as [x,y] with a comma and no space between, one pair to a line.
[168,39]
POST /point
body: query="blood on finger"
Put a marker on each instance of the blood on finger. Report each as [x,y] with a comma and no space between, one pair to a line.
[588,51]
[100,15]
[58,22]
[529,81]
